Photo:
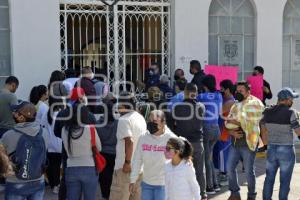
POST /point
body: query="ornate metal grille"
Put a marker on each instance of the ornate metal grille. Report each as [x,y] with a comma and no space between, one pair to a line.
[120,41]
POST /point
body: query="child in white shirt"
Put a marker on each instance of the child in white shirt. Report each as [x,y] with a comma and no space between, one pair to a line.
[181,183]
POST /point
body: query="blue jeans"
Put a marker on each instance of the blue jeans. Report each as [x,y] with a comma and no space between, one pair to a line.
[211,136]
[152,192]
[20,191]
[248,156]
[283,157]
[81,180]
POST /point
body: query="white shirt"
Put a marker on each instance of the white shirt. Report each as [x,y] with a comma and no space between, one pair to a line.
[54,143]
[69,83]
[42,109]
[181,182]
[131,125]
[149,155]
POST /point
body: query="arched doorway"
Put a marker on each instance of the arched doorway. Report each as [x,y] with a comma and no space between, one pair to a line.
[232,34]
[291,44]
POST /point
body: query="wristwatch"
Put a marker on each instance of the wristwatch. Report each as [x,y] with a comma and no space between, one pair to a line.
[127,161]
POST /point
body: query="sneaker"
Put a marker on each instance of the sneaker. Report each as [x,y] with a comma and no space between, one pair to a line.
[55,189]
[210,191]
[217,188]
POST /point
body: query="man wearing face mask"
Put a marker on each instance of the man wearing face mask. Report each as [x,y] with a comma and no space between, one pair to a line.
[87,84]
[188,118]
[179,80]
[149,154]
[245,115]
[277,125]
[267,93]
[152,76]
[131,126]
[195,69]
[26,144]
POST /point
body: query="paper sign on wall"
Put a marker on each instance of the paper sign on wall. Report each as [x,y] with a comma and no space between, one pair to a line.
[222,73]
[256,83]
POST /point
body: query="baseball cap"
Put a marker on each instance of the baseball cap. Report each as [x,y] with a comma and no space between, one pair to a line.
[25,108]
[286,93]
[77,93]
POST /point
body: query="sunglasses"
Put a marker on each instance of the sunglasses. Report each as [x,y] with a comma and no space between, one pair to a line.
[169,148]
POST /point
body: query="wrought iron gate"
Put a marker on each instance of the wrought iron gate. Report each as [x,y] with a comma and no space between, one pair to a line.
[120,41]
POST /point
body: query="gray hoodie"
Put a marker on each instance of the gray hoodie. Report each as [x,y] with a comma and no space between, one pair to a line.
[10,140]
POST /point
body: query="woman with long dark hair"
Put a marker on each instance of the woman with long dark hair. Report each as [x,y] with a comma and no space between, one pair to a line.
[56,88]
[108,137]
[80,175]
[38,97]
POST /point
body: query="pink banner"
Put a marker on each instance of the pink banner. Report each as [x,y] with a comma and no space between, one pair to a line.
[256,83]
[222,73]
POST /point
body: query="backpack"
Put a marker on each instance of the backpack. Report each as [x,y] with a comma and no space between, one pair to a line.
[30,156]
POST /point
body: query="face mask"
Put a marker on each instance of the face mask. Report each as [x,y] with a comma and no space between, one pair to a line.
[176,77]
[254,74]
[191,71]
[239,97]
[169,155]
[151,72]
[92,76]
[152,127]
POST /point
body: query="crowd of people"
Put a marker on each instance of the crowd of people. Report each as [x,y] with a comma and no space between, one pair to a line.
[180,141]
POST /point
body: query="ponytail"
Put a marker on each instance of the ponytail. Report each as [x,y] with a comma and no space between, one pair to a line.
[187,150]
[182,145]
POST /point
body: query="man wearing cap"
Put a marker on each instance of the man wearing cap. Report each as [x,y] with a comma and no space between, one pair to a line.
[277,127]
[26,188]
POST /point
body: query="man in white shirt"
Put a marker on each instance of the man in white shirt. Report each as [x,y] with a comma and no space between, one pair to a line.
[130,127]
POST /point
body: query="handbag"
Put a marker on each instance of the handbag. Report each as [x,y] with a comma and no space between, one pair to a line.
[100,161]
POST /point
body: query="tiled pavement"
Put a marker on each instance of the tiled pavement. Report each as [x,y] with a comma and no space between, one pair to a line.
[224,194]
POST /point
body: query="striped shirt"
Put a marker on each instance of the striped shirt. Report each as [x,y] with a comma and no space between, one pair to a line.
[280,121]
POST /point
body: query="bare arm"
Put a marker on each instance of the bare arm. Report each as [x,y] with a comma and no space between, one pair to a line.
[128,148]
[128,154]
[264,134]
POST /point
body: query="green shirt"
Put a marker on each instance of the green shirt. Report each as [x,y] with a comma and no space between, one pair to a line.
[6,100]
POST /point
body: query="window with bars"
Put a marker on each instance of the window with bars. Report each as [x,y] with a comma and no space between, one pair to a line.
[5,60]
[232,34]
[291,44]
